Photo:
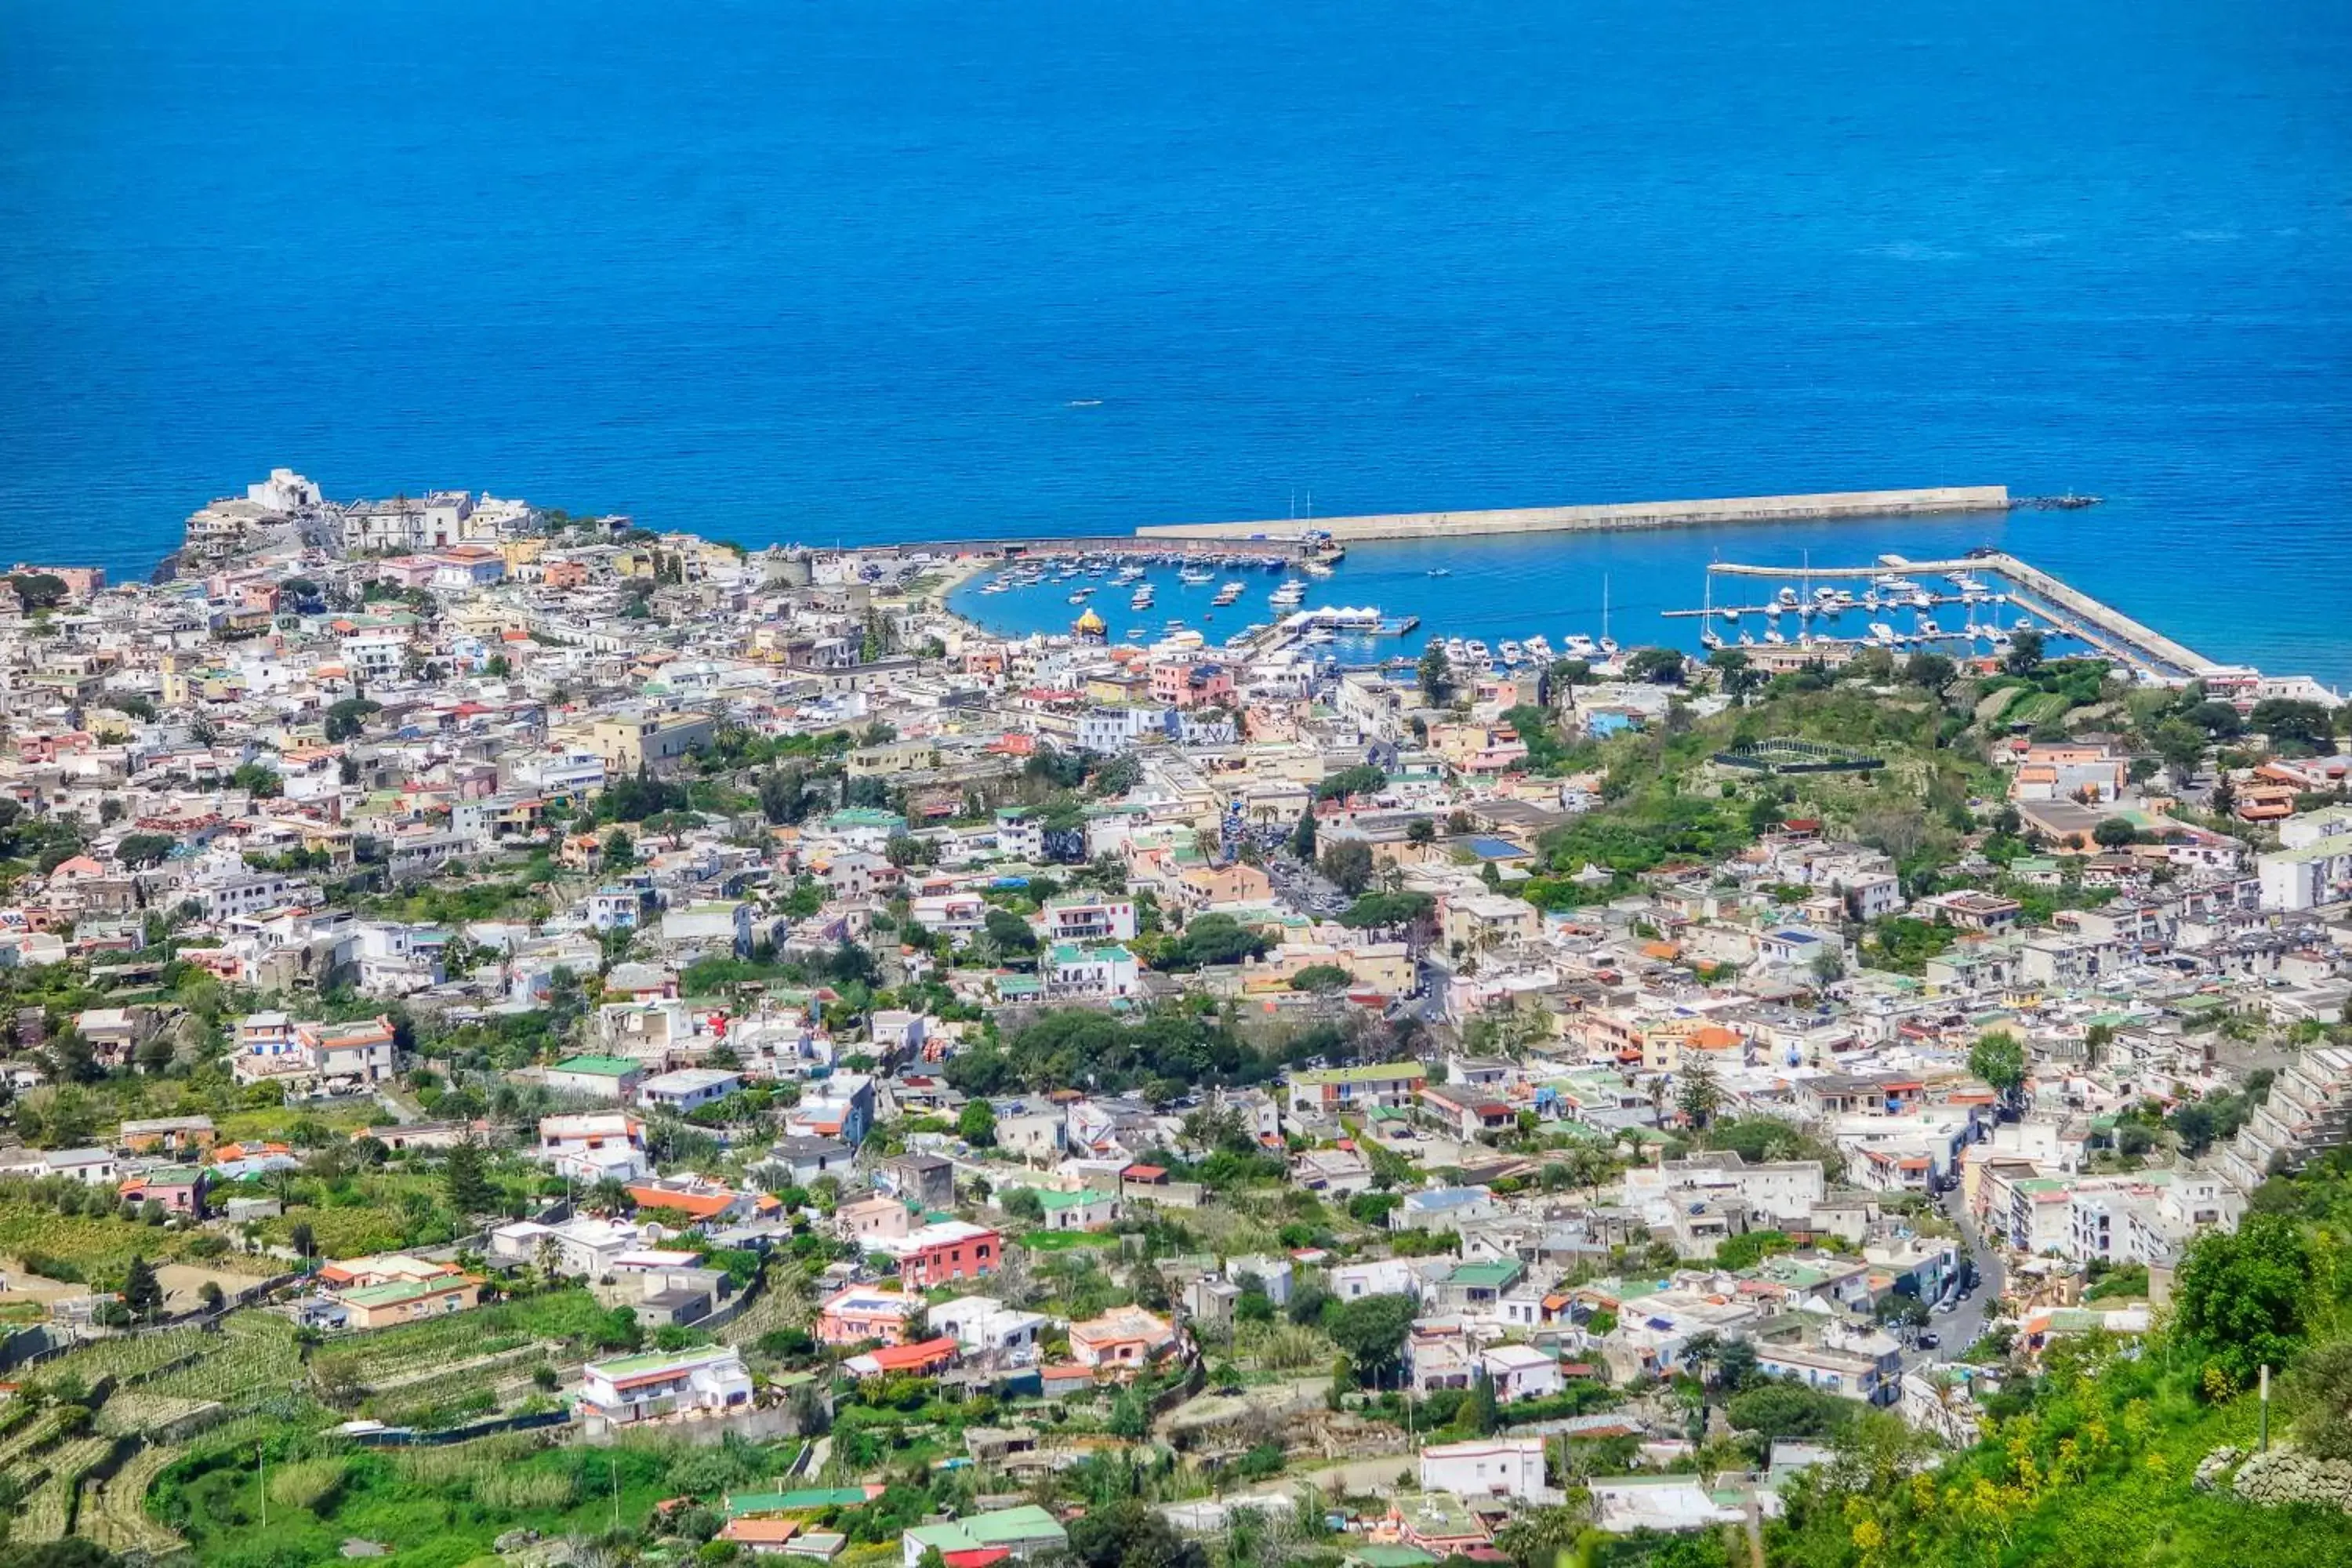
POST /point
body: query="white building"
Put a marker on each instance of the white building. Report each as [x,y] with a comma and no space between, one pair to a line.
[593,1148]
[2313,865]
[642,1387]
[688,1089]
[1521,1372]
[980,1324]
[1485,1467]
[1072,969]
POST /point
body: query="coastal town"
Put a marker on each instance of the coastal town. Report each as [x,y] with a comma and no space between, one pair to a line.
[538,1040]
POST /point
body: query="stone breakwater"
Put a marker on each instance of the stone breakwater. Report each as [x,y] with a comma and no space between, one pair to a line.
[1939,500]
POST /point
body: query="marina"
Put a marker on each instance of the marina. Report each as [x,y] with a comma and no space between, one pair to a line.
[2058,607]
[1952,591]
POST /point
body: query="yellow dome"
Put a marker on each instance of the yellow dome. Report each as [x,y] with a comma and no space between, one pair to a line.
[1091,622]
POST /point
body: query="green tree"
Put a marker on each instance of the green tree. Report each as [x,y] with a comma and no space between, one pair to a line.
[2000,1060]
[620,852]
[1302,838]
[139,850]
[1659,666]
[1734,672]
[1371,1330]
[976,1124]
[1130,1533]
[1024,1204]
[1698,1095]
[2114,833]
[1348,864]
[2024,655]
[1480,1415]
[1436,674]
[1931,672]
[142,1293]
[2241,1297]
[259,782]
[1129,1418]
[2181,748]
[1420,830]
[466,1180]
[38,590]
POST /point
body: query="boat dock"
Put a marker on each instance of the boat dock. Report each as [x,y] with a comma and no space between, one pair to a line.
[2064,609]
[1261,551]
[1941,498]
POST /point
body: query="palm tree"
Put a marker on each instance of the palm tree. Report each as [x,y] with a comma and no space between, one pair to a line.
[610,1195]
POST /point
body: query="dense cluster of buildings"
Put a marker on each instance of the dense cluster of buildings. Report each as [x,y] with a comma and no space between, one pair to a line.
[398,686]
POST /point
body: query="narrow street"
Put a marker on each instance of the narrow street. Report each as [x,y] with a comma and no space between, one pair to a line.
[1965,1324]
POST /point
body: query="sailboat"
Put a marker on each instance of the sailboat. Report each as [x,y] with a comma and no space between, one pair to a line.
[1608,643]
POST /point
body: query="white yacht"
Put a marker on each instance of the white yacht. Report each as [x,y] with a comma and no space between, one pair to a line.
[1477,651]
[1580,646]
[1512,652]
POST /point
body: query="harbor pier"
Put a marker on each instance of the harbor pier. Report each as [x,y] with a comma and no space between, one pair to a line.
[1606,518]
[2064,608]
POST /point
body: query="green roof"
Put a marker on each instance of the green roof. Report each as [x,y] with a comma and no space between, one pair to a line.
[1005,1527]
[1370,1073]
[1379,1554]
[653,1361]
[1059,1200]
[812,1498]
[1491,1276]
[1027,1522]
[400,1290]
[601,1066]
[1079,952]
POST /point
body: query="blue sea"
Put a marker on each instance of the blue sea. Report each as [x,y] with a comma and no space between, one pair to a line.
[822,271]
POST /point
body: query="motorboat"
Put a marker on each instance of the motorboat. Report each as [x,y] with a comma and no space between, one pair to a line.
[1478,654]
[1511,651]
[1608,646]
[1193,576]
[1774,639]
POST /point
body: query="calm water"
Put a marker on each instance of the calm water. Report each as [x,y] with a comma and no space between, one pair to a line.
[826,271]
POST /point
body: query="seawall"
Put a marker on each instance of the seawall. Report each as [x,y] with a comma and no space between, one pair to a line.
[1596,519]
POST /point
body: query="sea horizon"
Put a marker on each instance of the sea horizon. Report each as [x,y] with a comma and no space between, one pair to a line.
[841,275]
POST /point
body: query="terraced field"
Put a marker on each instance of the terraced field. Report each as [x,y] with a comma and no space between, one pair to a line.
[113,1512]
[48,1513]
